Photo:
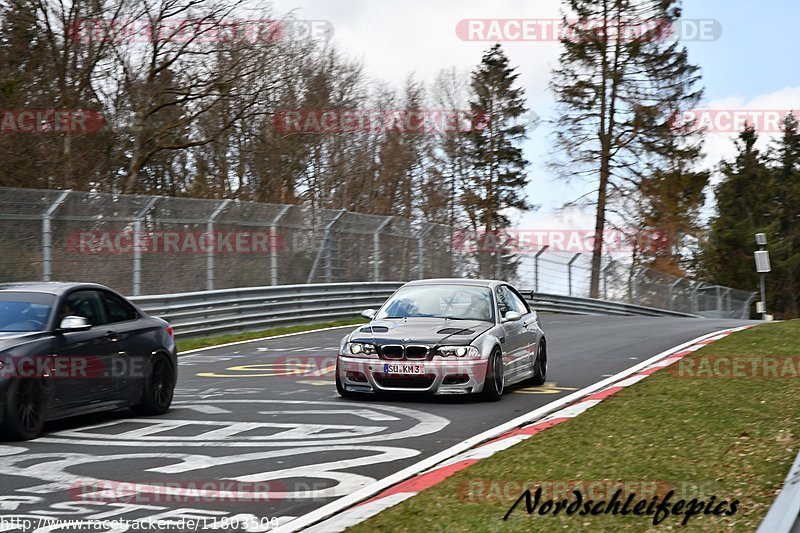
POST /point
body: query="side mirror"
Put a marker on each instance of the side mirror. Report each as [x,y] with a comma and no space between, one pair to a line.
[512,316]
[533,295]
[74,323]
[368,313]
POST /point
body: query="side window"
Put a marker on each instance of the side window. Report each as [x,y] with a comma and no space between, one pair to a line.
[82,303]
[519,304]
[117,309]
[504,301]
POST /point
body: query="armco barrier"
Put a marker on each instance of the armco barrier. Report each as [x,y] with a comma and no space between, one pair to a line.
[208,313]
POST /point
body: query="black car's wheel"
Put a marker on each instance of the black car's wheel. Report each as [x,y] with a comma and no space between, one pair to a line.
[159,386]
[540,365]
[25,410]
[494,383]
[344,393]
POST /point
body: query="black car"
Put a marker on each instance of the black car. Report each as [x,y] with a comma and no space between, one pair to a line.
[68,349]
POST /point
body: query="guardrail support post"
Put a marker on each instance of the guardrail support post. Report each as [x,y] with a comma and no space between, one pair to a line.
[211,250]
[273,249]
[536,267]
[137,245]
[47,236]
[569,272]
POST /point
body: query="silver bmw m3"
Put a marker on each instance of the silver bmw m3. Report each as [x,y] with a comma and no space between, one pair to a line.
[445,336]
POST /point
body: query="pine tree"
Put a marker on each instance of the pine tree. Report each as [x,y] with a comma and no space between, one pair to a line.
[496,176]
[745,206]
[785,249]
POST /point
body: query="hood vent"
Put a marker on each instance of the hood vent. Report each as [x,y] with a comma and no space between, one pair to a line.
[455,331]
[374,329]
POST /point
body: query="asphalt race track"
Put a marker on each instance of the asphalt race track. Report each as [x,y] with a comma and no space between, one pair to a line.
[261,423]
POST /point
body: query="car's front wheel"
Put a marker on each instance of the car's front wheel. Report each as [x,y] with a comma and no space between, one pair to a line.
[159,387]
[25,410]
[494,383]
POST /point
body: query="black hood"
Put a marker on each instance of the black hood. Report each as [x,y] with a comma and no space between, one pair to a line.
[430,331]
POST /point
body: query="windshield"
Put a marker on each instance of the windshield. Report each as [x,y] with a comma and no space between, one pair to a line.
[24,311]
[457,302]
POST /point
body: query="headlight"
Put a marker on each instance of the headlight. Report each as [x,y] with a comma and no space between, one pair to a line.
[468,352]
[360,349]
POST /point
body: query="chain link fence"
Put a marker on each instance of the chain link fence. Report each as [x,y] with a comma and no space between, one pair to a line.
[142,245]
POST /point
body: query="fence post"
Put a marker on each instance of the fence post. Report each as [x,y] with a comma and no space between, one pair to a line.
[605,278]
[212,249]
[421,251]
[569,271]
[536,267]
[47,236]
[273,251]
[671,296]
[325,244]
[376,250]
[137,245]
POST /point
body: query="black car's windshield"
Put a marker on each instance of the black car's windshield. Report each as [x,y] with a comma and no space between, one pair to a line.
[24,311]
[456,302]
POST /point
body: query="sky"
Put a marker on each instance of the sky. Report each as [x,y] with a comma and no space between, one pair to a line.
[752,63]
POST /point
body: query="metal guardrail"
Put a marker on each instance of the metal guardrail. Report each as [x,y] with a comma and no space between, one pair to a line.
[784,515]
[208,313]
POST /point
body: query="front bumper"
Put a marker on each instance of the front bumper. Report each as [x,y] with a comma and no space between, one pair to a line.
[441,376]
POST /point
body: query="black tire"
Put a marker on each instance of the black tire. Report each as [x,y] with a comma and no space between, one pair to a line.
[344,393]
[159,388]
[493,385]
[540,365]
[25,410]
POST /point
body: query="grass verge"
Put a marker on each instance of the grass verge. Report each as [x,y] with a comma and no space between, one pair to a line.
[207,342]
[729,438]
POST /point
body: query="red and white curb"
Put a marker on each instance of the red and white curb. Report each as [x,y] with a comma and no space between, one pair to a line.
[369,501]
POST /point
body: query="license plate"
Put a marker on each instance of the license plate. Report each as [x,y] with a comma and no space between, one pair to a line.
[403,369]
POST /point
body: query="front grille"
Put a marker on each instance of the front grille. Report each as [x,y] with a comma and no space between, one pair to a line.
[416,352]
[392,351]
[404,382]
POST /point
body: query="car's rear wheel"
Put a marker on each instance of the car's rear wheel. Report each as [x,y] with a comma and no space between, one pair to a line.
[159,387]
[25,410]
[494,383]
[540,365]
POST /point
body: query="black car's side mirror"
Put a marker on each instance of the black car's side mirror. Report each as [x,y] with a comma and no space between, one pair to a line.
[73,323]
[532,295]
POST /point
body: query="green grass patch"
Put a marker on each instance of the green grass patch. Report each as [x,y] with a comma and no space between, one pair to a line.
[193,344]
[730,438]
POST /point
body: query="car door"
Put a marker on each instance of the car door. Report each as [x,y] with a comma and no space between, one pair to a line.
[133,348]
[82,360]
[529,332]
[513,335]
